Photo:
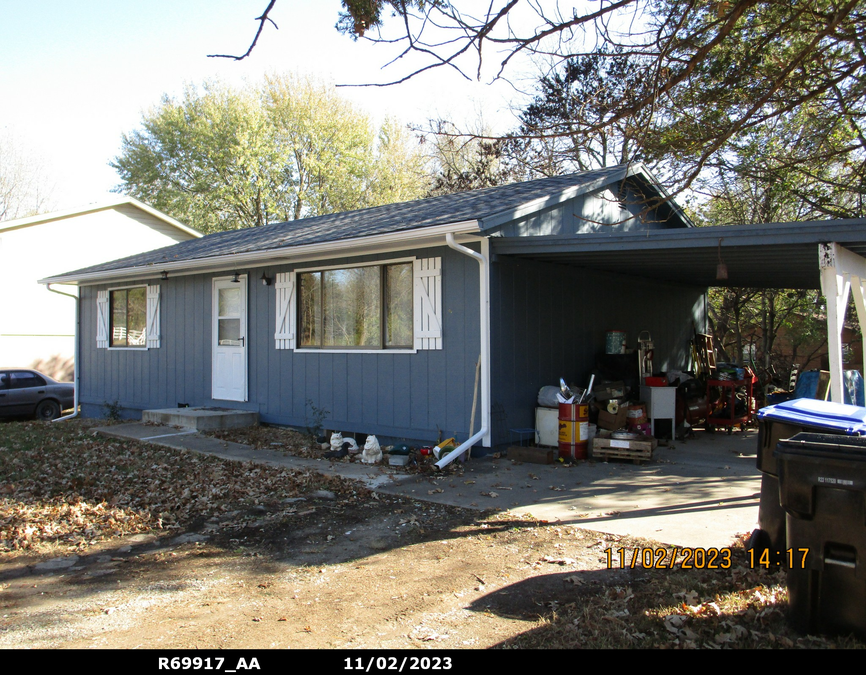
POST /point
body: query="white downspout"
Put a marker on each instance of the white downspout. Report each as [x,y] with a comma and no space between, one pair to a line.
[483,259]
[75,377]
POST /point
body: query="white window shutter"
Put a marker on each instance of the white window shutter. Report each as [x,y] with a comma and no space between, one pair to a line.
[285,334]
[428,303]
[102,320]
[153,317]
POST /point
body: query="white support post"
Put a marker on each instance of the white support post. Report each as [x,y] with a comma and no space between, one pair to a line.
[842,271]
[859,291]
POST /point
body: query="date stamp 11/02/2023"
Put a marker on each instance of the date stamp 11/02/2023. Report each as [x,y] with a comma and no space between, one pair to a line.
[701,558]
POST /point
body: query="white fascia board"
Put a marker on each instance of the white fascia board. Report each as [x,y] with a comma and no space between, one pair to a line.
[383,243]
[162,216]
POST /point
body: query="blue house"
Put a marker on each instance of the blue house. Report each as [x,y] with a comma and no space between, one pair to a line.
[382,316]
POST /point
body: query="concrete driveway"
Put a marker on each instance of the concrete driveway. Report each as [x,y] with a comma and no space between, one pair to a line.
[699,493]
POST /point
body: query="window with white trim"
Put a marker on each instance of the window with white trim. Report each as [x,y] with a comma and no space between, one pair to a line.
[392,305]
[128,318]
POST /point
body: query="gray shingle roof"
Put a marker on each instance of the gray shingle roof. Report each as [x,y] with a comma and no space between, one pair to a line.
[379,220]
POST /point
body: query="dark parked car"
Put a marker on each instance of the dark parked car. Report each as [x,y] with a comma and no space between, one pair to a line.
[28,393]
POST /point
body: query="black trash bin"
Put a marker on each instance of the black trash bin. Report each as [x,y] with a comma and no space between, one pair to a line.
[822,488]
[780,421]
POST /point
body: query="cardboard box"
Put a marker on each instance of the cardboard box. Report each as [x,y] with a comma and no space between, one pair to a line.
[613,422]
[604,391]
[519,453]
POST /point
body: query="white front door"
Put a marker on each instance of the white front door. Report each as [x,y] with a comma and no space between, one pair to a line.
[230,339]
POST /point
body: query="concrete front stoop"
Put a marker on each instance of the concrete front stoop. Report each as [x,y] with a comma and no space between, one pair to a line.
[202,419]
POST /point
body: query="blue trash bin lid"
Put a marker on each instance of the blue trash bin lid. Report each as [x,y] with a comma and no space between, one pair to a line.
[809,412]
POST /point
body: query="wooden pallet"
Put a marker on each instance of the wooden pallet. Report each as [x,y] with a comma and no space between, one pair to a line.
[636,451]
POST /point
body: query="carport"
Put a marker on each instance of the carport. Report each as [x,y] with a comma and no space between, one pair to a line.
[818,255]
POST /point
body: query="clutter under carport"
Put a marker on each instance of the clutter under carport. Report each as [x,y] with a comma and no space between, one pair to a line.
[620,414]
[628,406]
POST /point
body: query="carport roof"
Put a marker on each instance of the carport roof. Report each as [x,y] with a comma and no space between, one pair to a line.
[774,255]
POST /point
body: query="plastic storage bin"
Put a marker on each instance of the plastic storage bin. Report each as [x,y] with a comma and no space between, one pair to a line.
[822,481]
[781,421]
[809,386]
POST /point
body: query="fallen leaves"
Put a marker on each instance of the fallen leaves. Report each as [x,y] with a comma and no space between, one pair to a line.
[24,525]
[62,485]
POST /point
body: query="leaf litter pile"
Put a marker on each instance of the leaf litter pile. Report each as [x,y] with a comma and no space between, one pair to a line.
[276,439]
[63,487]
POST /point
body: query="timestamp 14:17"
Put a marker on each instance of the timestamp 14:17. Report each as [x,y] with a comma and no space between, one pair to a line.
[794,557]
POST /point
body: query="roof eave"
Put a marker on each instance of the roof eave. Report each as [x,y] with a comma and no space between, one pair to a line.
[93,208]
[427,236]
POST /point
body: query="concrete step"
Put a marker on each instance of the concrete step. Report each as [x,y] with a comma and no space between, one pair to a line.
[202,419]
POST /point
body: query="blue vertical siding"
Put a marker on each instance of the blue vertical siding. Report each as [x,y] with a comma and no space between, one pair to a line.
[409,396]
[547,321]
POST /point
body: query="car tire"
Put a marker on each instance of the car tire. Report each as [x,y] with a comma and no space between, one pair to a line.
[48,410]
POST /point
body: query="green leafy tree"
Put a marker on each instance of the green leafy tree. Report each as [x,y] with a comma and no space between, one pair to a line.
[402,170]
[221,158]
[700,77]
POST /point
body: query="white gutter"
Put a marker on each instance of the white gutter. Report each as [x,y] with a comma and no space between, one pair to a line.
[274,256]
[75,378]
[483,259]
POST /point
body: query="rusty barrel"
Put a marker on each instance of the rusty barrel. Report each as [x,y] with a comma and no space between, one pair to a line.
[573,430]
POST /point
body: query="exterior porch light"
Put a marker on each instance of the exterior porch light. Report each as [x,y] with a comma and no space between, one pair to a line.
[266,280]
[163,275]
[236,278]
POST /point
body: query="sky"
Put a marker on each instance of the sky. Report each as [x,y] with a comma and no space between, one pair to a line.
[76,76]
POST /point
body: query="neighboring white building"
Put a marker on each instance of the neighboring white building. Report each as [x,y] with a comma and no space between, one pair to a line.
[37,327]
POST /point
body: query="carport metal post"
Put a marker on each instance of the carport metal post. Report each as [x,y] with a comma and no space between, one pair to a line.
[842,271]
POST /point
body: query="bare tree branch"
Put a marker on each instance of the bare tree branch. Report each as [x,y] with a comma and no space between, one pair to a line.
[261,19]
